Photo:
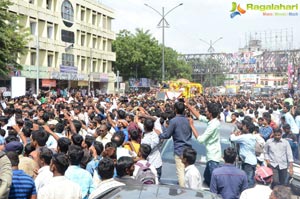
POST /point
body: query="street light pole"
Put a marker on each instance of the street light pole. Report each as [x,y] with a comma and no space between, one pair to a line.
[211,50]
[37,65]
[163,46]
[210,43]
[118,81]
[163,24]
[90,72]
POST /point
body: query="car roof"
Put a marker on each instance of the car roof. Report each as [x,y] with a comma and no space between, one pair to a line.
[156,192]
[225,128]
[225,131]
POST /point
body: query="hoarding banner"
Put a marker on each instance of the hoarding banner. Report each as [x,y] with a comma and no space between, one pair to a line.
[18,86]
[68,69]
[48,83]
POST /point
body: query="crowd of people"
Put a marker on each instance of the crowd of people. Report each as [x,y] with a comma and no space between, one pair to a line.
[79,146]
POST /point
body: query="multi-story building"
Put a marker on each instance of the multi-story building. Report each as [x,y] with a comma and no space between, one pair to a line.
[70,45]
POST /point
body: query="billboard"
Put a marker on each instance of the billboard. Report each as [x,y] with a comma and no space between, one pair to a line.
[142,82]
[18,86]
[48,83]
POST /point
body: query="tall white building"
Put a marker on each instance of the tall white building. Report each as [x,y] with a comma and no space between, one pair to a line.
[71,43]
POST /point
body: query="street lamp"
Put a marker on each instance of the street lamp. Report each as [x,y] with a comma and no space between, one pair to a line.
[163,24]
[90,72]
[37,65]
[210,50]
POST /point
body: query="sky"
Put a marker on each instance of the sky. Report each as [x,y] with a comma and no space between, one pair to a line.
[207,20]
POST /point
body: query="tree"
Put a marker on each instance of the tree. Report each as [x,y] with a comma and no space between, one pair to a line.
[136,55]
[207,71]
[175,68]
[139,55]
[13,39]
[216,76]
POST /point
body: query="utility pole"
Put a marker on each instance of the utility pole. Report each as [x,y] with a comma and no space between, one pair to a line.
[37,63]
[89,72]
[118,81]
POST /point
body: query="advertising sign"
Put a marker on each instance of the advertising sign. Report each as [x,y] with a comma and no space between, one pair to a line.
[48,83]
[18,86]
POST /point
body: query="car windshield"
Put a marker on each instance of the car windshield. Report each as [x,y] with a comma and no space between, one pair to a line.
[256,90]
[266,90]
[231,90]
[168,149]
[155,192]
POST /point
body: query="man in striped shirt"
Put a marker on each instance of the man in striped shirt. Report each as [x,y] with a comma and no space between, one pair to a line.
[22,184]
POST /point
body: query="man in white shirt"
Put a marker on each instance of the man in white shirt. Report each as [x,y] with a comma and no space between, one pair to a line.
[58,129]
[192,177]
[8,112]
[44,173]
[103,135]
[263,179]
[78,115]
[106,172]
[152,139]
[143,154]
[59,186]
[118,138]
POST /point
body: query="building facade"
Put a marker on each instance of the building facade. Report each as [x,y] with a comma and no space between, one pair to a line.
[70,45]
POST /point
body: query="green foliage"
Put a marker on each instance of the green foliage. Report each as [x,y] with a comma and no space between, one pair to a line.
[209,72]
[175,68]
[139,55]
[13,39]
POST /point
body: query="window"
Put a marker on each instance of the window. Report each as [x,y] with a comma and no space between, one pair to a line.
[94,19]
[67,59]
[33,27]
[82,64]
[49,60]
[33,58]
[49,4]
[82,13]
[82,40]
[104,45]
[31,1]
[104,21]
[109,47]
[67,13]
[94,66]
[104,67]
[67,36]
[50,32]
[94,42]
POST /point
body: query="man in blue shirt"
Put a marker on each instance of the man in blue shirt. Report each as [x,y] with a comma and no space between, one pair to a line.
[266,130]
[78,175]
[181,132]
[247,141]
[228,180]
[96,149]
[22,184]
